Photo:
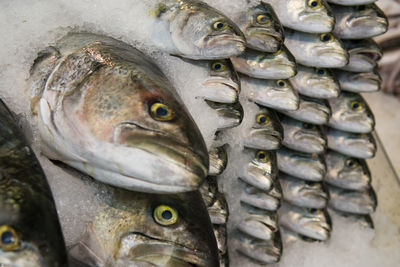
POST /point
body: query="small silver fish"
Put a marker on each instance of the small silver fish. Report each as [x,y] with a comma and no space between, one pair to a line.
[218,160]
[358,202]
[215,202]
[314,223]
[315,82]
[311,110]
[310,167]
[276,94]
[351,144]
[350,112]
[303,137]
[359,82]
[364,220]
[364,55]
[316,50]
[351,2]
[359,22]
[253,196]
[262,65]
[303,193]
[230,115]
[347,172]
[266,133]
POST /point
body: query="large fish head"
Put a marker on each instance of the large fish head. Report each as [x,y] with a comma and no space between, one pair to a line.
[202,32]
[313,15]
[351,113]
[262,28]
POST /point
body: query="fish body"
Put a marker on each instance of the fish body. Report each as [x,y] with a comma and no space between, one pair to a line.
[303,137]
[359,82]
[29,228]
[230,115]
[359,22]
[315,82]
[316,50]
[350,112]
[363,55]
[347,172]
[262,65]
[255,197]
[358,202]
[102,104]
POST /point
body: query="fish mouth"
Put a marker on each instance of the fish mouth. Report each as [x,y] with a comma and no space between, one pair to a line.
[264,32]
[322,20]
[224,39]
[227,89]
[370,54]
[367,76]
[145,248]
[309,138]
[267,139]
[367,20]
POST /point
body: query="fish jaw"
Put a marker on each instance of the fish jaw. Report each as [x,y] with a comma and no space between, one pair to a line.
[222,46]
[263,39]
[264,139]
[331,58]
[29,255]
[322,88]
[363,27]
[316,22]
[355,123]
[221,90]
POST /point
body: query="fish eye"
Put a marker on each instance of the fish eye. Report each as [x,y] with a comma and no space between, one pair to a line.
[220,26]
[262,19]
[165,215]
[161,112]
[309,126]
[314,211]
[218,66]
[310,183]
[277,52]
[320,71]
[9,239]
[356,105]
[281,83]
[351,163]
[262,156]
[326,37]
[262,119]
[314,4]
[362,8]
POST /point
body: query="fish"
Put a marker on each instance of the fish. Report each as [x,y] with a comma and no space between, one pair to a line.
[255,197]
[304,15]
[350,112]
[323,50]
[364,220]
[30,232]
[275,94]
[262,65]
[221,237]
[363,55]
[311,110]
[313,223]
[261,171]
[215,201]
[315,82]
[194,30]
[359,82]
[266,132]
[358,202]
[359,22]
[347,172]
[303,193]
[303,137]
[218,160]
[229,115]
[351,2]
[310,167]
[136,229]
[351,144]
[290,237]
[101,104]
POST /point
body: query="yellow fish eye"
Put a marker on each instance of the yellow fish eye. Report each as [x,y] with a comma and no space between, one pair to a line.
[356,105]
[351,163]
[262,156]
[320,71]
[314,4]
[281,83]
[277,52]
[161,112]
[9,239]
[262,119]
[220,26]
[218,66]
[309,126]
[327,37]
[315,211]
[262,19]
[165,215]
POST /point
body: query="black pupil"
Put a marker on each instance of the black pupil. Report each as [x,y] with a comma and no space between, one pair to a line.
[161,111]
[314,3]
[310,183]
[281,84]
[308,126]
[361,8]
[321,72]
[263,119]
[217,66]
[356,105]
[220,25]
[313,210]
[351,163]
[7,238]
[261,156]
[326,37]
[167,215]
[263,18]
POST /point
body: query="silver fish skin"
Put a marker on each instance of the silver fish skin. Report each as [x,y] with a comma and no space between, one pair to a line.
[304,15]
[221,237]
[270,200]
[303,193]
[310,167]
[364,220]
[262,65]
[316,50]
[350,112]
[261,28]
[260,252]
[311,110]
[359,82]
[275,94]
[351,144]
[313,223]
[261,171]
[359,22]
[358,202]
[229,115]
[351,2]
[267,131]
[214,200]
[101,105]
[364,55]
[303,137]
[347,172]
[218,160]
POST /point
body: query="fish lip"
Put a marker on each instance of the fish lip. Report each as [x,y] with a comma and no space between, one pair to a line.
[316,139]
[324,19]
[367,17]
[368,76]
[230,84]
[329,50]
[377,55]
[263,31]
[226,37]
